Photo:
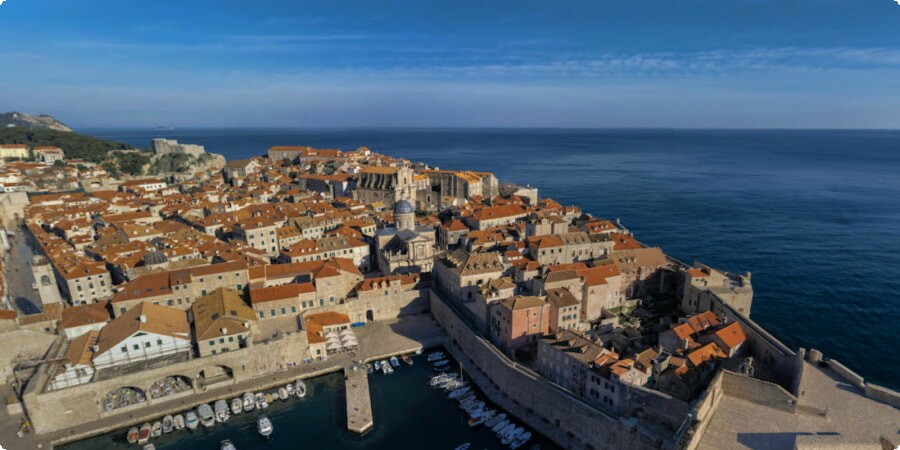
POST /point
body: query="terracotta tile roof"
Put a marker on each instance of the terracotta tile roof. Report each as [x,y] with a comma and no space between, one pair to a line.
[598,275]
[284,291]
[708,352]
[521,302]
[731,335]
[315,323]
[79,351]
[222,309]
[91,313]
[160,320]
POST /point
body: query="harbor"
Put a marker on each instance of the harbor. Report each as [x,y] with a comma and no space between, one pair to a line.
[410,411]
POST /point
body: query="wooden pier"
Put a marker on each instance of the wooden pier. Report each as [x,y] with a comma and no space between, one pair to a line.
[359,403]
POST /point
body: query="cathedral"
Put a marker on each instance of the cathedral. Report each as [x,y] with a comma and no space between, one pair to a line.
[405,248]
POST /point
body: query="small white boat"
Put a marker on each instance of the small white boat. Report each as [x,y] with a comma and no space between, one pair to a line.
[178,422]
[395,362]
[144,434]
[509,427]
[442,362]
[249,402]
[205,413]
[237,406]
[227,445]
[436,356]
[483,416]
[463,446]
[495,420]
[419,351]
[512,436]
[264,426]
[156,429]
[261,402]
[168,424]
[520,441]
[282,394]
[300,388]
[459,392]
[269,397]
[290,389]
[221,410]
[474,406]
[499,426]
[377,365]
[132,435]
[190,420]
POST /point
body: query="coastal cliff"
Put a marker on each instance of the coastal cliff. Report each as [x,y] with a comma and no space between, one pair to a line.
[40,121]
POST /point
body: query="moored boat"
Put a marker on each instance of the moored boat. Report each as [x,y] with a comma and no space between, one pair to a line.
[442,362]
[495,420]
[205,414]
[249,402]
[282,394]
[395,362]
[178,421]
[264,426]
[156,429]
[144,433]
[300,388]
[227,445]
[463,446]
[168,424]
[443,368]
[520,441]
[132,435]
[377,365]
[512,435]
[221,410]
[459,392]
[190,420]
[499,426]
[261,402]
[407,360]
[290,389]
[482,418]
[436,356]
[237,406]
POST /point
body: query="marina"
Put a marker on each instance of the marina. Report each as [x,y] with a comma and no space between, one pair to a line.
[400,404]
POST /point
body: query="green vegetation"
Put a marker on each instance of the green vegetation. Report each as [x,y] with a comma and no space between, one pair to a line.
[76,146]
[132,163]
[172,162]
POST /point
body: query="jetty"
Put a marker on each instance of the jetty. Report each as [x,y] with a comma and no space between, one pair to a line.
[359,403]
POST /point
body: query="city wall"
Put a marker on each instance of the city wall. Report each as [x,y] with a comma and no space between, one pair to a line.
[875,392]
[66,408]
[549,409]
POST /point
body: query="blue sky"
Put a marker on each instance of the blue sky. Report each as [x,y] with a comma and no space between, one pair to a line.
[599,63]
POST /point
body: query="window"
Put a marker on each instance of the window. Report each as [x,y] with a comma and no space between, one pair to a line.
[136,347]
[123,349]
[230,338]
[221,340]
[283,310]
[146,345]
[293,309]
[261,314]
[272,313]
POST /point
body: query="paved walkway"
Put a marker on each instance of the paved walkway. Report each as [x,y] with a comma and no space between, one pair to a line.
[377,340]
[359,403]
[849,418]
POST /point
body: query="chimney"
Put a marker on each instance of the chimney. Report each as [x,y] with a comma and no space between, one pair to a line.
[224,330]
[142,318]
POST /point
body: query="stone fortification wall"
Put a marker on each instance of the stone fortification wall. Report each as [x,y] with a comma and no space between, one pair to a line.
[70,407]
[758,391]
[549,409]
[702,414]
[875,392]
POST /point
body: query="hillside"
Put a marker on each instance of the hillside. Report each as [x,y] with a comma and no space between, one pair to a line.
[22,120]
[75,145]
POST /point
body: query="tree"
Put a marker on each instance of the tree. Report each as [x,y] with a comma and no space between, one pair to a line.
[76,146]
[59,163]
[132,163]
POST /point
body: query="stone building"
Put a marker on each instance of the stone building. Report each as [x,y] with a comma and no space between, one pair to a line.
[384,184]
[222,322]
[145,332]
[702,282]
[518,321]
[259,234]
[565,357]
[405,248]
[169,146]
[460,275]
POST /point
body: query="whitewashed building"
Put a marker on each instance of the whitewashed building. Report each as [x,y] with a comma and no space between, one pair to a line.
[144,332]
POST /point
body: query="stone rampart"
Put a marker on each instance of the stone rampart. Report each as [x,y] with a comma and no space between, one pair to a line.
[549,409]
[758,391]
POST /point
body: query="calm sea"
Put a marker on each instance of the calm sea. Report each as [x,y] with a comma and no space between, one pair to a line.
[814,215]
[408,416]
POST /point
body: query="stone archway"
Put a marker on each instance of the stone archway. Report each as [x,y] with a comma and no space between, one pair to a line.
[214,374]
[122,397]
[170,385]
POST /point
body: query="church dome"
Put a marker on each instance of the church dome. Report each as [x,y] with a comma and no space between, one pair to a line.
[404,207]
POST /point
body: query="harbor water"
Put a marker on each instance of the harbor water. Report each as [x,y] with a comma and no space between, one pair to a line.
[408,415]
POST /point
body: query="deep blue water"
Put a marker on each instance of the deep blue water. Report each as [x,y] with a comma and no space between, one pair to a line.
[814,215]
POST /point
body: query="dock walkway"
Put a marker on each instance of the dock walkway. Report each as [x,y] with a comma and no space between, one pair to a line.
[359,403]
